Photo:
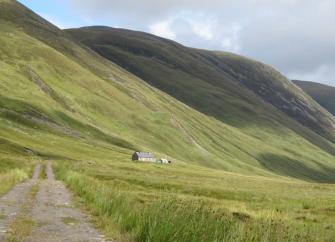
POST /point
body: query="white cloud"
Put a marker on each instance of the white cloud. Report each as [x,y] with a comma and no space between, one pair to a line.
[231,38]
[204,28]
[169,28]
[195,32]
[162,29]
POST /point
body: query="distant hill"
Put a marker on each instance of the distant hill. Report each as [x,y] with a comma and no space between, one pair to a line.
[323,94]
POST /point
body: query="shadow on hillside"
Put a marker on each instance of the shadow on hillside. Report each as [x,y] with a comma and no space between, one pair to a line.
[285,166]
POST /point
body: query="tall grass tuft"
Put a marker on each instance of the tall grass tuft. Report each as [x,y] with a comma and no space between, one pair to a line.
[11,178]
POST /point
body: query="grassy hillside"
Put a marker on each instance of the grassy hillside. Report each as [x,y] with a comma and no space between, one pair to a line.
[323,94]
[61,101]
[55,86]
[231,88]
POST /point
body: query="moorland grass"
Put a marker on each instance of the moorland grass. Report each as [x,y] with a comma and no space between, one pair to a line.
[132,212]
[10,179]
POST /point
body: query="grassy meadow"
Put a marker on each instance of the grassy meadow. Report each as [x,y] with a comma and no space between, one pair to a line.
[149,202]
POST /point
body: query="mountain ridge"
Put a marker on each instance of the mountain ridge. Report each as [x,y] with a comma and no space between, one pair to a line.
[219,73]
[82,101]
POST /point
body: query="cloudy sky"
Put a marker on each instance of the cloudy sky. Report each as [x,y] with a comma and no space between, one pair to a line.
[295,36]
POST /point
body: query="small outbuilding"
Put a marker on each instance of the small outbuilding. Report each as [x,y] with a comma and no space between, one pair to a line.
[144,156]
[164,161]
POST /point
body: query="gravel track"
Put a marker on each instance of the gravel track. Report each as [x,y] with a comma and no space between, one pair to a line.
[11,203]
[57,220]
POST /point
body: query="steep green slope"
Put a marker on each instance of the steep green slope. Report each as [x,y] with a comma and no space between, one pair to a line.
[61,100]
[229,87]
[323,94]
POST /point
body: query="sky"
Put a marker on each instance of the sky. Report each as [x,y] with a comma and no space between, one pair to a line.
[297,37]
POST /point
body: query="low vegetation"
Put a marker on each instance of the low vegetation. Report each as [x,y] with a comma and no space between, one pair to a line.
[150,202]
[13,170]
[11,178]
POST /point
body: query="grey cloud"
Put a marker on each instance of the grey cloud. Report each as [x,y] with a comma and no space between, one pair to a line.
[295,36]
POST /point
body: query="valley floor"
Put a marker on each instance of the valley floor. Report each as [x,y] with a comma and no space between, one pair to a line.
[131,201]
[151,202]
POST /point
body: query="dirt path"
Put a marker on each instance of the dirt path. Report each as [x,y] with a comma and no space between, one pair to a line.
[54,217]
[10,203]
[178,125]
[56,220]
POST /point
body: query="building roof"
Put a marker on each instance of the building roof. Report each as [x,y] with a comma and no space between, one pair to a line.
[145,155]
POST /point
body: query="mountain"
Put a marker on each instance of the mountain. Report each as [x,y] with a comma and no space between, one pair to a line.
[252,154]
[323,94]
[231,88]
[59,99]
